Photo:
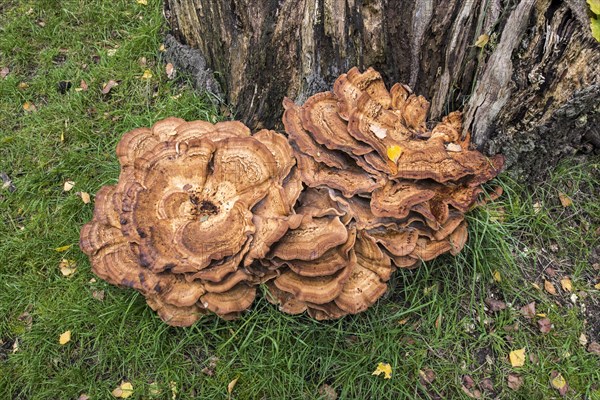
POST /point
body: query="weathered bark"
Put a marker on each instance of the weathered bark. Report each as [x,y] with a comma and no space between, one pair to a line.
[530,93]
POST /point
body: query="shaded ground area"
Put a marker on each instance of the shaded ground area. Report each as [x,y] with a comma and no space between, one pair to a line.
[447,328]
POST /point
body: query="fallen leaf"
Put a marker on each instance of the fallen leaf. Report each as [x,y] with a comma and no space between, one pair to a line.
[124,390]
[536,286]
[537,207]
[93,280]
[551,272]
[583,340]
[4,71]
[565,200]
[549,287]
[474,394]
[495,305]
[468,382]
[517,357]
[83,85]
[15,346]
[111,52]
[534,358]
[566,284]
[594,348]
[545,325]
[170,69]
[383,368]
[67,267]
[83,396]
[597,286]
[528,310]
[487,385]
[403,321]
[541,315]
[98,295]
[394,152]
[515,381]
[558,382]
[64,338]
[327,392]
[173,386]
[62,137]
[594,6]
[147,74]
[63,248]
[26,318]
[482,40]
[231,385]
[85,197]
[68,185]
[143,2]
[162,48]
[29,107]
[496,276]
[210,368]
[453,147]
[426,376]
[108,86]
[23,85]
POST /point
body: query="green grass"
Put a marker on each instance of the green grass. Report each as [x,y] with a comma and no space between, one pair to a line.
[432,318]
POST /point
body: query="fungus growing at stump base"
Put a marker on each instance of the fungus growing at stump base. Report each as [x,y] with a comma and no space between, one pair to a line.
[204,213]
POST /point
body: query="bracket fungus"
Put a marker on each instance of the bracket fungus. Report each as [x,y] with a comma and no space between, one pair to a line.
[361,186]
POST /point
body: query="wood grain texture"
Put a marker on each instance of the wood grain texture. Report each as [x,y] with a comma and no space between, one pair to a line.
[531,90]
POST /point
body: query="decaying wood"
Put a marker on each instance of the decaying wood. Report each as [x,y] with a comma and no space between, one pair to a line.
[531,92]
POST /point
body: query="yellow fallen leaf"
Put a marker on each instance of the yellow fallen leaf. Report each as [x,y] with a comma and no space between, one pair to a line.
[566,284]
[162,48]
[541,315]
[143,2]
[517,357]
[23,85]
[536,286]
[68,185]
[63,248]
[123,391]
[147,74]
[29,107]
[549,287]
[67,267]
[231,385]
[62,137]
[173,386]
[565,200]
[85,197]
[403,321]
[394,152]
[559,383]
[64,338]
[597,286]
[497,276]
[385,369]
[482,40]
[583,340]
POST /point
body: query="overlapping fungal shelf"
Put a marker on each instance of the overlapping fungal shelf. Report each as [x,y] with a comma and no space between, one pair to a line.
[202,214]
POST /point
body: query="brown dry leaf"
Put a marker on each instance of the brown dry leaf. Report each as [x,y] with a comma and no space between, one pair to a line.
[231,385]
[64,338]
[549,287]
[4,72]
[551,272]
[426,376]
[517,357]
[495,305]
[83,396]
[68,185]
[528,310]
[85,197]
[566,284]
[170,69]
[327,392]
[123,391]
[453,147]
[474,394]
[487,385]
[403,321]
[482,40]
[565,200]
[29,107]
[515,381]
[108,86]
[67,267]
[497,276]
[545,325]
[594,348]
[26,318]
[98,295]
[385,369]
[558,382]
[83,85]
[146,75]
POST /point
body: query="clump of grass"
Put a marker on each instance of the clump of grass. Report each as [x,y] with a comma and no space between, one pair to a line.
[433,317]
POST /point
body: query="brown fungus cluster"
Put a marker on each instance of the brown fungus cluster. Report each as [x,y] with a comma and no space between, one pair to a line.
[202,214]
